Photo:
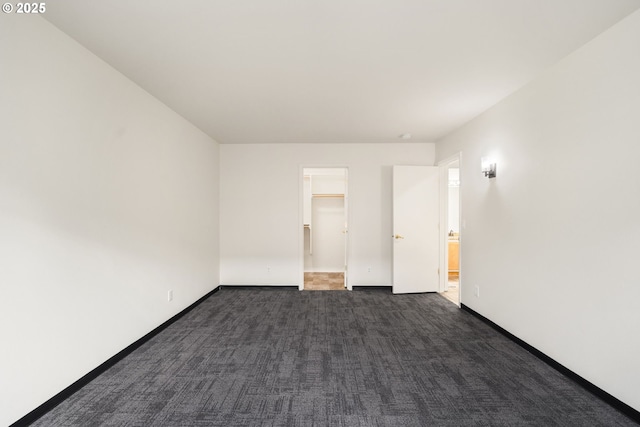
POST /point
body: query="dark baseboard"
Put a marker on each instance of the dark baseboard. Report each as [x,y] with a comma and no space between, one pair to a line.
[597,391]
[372,288]
[86,379]
[261,287]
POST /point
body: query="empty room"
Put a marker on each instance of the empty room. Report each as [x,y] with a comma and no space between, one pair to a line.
[172,175]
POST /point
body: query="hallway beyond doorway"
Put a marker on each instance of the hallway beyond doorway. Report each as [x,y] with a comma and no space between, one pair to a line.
[452,292]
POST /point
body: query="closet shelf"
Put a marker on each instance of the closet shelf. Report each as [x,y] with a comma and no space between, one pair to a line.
[328,195]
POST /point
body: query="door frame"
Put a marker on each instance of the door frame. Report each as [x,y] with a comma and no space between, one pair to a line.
[443,166]
[301,220]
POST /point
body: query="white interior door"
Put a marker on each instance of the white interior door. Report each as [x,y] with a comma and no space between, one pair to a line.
[415,229]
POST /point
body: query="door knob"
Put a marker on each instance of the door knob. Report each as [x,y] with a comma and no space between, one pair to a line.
[398,237]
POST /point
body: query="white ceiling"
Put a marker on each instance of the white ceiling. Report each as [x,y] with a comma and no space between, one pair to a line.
[253,71]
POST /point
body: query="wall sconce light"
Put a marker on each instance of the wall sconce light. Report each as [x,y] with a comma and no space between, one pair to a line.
[488,167]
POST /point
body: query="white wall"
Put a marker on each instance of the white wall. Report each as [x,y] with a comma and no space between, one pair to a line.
[328,239]
[260,214]
[553,240]
[306,197]
[108,199]
[328,184]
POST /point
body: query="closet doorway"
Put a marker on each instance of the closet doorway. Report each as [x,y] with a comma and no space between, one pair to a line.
[325,231]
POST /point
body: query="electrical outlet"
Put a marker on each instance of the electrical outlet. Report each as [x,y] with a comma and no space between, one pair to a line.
[268,269]
[368,269]
[476,291]
[170,295]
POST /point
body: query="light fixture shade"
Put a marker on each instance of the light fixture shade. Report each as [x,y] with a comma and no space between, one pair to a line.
[488,167]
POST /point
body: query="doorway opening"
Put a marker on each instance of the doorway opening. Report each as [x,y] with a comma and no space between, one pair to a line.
[324,228]
[450,285]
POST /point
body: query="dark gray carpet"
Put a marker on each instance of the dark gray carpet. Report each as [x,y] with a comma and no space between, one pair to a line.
[272,357]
